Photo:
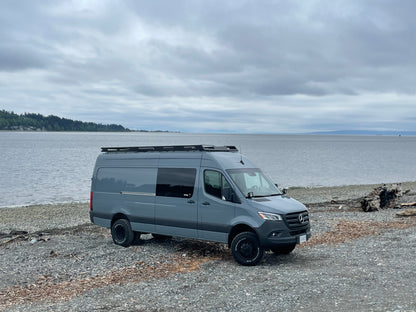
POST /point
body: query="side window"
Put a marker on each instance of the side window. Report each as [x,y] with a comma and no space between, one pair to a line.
[212,183]
[140,180]
[216,185]
[175,182]
[227,191]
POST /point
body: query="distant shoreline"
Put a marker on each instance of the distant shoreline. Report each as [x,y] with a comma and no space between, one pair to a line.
[332,133]
[89,131]
[37,122]
[365,132]
[10,121]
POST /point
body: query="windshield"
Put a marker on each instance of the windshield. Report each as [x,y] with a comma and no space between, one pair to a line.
[253,183]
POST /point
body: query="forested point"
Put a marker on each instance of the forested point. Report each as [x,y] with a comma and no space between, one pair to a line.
[38,122]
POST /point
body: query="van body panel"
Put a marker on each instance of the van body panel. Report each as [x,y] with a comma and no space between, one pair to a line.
[178,216]
[225,161]
[181,157]
[140,209]
[128,190]
[105,222]
[128,160]
[214,217]
[281,204]
[106,201]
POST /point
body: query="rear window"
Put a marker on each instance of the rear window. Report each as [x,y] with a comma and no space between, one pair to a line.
[175,182]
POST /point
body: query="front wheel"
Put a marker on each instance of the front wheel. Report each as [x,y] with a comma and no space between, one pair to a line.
[122,233]
[246,249]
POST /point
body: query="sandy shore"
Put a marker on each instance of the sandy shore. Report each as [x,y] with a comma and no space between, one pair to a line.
[53,259]
[43,217]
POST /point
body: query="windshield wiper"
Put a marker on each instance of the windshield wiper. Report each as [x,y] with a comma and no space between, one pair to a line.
[251,195]
[257,196]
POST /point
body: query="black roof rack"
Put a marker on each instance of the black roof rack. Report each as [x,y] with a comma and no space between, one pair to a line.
[171,148]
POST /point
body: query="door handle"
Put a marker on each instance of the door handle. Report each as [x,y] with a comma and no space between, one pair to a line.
[191,201]
[206,203]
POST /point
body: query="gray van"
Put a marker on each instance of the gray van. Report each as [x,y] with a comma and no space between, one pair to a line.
[202,192]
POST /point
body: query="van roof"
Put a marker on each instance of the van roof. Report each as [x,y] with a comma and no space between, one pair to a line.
[170,148]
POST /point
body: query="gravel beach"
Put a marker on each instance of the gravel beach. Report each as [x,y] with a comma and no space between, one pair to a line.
[54,259]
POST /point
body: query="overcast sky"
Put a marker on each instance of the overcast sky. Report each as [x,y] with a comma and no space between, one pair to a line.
[213,66]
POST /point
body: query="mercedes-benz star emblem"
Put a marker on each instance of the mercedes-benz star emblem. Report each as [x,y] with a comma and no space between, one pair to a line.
[301,220]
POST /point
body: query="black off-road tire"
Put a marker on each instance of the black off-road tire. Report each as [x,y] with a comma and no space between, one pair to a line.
[246,249]
[122,233]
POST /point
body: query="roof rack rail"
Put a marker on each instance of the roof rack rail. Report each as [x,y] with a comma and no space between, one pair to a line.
[171,148]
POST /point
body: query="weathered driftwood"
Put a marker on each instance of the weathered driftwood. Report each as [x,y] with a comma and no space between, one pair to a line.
[408,204]
[381,197]
[407,213]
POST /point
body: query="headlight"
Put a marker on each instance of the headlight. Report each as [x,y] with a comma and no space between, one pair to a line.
[270,216]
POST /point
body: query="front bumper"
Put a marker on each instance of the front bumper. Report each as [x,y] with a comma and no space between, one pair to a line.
[274,234]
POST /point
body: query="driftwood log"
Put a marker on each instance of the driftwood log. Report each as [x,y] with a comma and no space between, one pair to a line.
[382,197]
[407,213]
[408,204]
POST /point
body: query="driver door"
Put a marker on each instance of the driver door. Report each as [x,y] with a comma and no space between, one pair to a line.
[216,207]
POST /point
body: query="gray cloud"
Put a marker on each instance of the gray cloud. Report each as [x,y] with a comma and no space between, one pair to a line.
[196,65]
[13,59]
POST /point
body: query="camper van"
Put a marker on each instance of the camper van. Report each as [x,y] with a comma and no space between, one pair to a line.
[202,192]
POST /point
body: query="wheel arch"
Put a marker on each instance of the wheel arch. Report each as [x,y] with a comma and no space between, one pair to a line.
[118,216]
[237,229]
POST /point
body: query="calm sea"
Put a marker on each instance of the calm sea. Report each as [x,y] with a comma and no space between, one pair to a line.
[55,167]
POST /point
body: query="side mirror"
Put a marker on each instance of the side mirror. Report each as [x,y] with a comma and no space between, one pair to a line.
[284,191]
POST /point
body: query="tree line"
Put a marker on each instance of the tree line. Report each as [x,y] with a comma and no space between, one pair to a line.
[38,122]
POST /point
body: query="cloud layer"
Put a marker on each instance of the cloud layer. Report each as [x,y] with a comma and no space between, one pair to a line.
[234,66]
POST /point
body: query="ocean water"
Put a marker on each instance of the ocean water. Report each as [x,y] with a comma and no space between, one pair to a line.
[55,167]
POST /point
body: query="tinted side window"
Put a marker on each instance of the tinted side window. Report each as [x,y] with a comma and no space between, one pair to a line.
[115,180]
[212,183]
[175,182]
[216,185]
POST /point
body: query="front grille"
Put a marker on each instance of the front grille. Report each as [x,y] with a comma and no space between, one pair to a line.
[297,220]
[299,232]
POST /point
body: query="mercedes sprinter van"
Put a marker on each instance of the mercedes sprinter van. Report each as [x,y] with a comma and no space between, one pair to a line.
[203,192]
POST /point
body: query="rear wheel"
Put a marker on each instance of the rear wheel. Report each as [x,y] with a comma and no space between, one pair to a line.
[246,249]
[122,233]
[283,250]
